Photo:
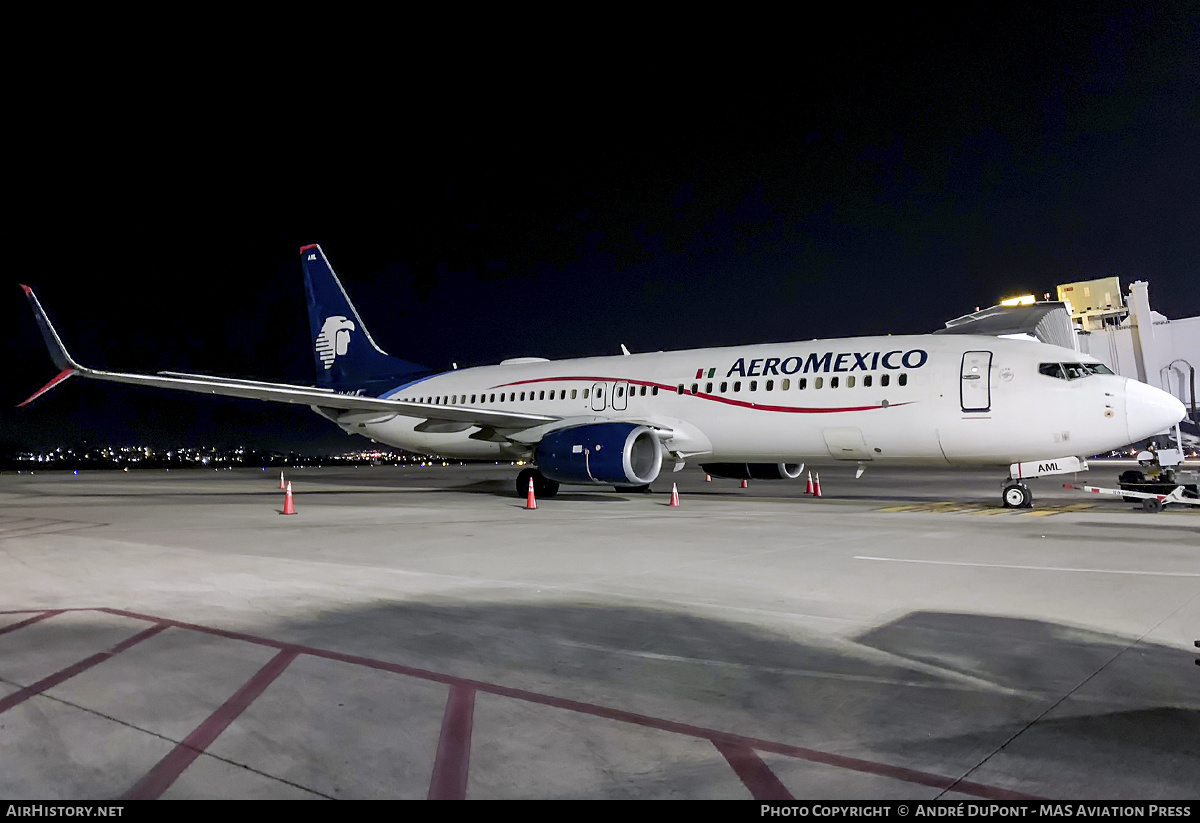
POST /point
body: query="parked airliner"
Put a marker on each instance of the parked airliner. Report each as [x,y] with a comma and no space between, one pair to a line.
[758,411]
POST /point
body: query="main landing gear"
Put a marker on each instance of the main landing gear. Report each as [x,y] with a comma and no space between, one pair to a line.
[1017,495]
[543,487]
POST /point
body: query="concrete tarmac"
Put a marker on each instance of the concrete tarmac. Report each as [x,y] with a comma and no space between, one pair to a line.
[416,633]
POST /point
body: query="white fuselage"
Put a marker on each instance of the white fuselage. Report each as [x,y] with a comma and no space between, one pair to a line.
[941,399]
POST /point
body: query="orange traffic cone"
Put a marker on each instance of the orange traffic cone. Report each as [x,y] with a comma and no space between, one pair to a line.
[817,486]
[745,484]
[281,483]
[288,506]
[674,496]
[708,478]
[808,487]
[530,500]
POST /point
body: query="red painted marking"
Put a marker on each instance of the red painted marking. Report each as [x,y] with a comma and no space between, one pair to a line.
[167,771]
[701,395]
[309,246]
[26,288]
[30,621]
[74,669]
[712,735]
[449,781]
[62,375]
[756,774]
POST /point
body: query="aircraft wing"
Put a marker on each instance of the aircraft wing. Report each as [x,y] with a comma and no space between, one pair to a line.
[273,392]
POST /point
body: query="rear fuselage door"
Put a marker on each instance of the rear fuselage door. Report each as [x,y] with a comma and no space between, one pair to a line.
[975,381]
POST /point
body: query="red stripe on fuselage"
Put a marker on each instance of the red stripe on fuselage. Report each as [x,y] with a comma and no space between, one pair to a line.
[741,403]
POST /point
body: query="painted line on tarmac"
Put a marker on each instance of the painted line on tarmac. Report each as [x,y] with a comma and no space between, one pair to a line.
[37,618]
[70,671]
[948,507]
[453,760]
[1028,568]
[753,772]
[456,724]
[167,771]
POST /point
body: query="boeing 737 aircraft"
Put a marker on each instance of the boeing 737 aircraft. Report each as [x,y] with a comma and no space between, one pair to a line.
[759,411]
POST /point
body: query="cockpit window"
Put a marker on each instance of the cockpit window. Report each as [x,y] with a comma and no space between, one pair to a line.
[1073,371]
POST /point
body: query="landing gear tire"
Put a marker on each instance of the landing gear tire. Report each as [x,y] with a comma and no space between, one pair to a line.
[543,487]
[1152,505]
[1017,496]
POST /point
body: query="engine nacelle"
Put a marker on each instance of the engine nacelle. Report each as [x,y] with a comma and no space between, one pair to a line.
[754,471]
[611,454]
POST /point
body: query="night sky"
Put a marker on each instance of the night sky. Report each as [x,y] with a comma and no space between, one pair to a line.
[493,197]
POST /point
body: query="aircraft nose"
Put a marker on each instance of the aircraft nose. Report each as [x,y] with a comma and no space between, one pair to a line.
[1149,410]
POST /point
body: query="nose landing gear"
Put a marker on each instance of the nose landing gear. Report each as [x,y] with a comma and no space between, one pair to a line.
[1017,495]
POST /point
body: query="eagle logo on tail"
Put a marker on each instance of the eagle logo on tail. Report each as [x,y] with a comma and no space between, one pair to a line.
[334,339]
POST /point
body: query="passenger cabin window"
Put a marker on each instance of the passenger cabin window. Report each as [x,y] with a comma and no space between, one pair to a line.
[884,379]
[802,383]
[867,381]
[833,382]
[818,382]
[904,380]
[785,384]
[574,393]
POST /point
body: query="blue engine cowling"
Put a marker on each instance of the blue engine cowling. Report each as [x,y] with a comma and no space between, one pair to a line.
[754,471]
[612,454]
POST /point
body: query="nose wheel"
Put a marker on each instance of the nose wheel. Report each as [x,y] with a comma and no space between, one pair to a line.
[1017,496]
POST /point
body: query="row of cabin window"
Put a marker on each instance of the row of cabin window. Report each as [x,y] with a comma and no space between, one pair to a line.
[801,383]
[515,397]
[769,385]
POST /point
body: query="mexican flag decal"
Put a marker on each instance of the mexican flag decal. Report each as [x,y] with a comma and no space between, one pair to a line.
[700,373]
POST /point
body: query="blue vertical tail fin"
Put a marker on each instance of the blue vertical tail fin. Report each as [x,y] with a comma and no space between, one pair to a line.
[347,358]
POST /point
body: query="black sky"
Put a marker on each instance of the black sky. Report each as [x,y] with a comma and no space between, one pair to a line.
[509,194]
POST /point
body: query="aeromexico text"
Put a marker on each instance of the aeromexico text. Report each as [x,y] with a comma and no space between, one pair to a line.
[829,362]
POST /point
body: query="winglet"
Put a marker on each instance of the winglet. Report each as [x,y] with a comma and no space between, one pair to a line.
[58,352]
[62,375]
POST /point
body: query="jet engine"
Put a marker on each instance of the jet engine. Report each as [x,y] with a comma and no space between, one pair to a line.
[612,454]
[754,471]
